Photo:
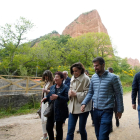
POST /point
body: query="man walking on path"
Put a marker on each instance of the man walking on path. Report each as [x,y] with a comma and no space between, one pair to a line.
[115,107]
[135,89]
[103,86]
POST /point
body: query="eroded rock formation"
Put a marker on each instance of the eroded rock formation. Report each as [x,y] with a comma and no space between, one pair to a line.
[86,22]
[133,62]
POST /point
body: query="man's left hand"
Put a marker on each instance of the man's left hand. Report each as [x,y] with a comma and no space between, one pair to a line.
[83,108]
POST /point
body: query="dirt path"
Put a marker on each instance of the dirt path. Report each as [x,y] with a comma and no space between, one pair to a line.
[28,127]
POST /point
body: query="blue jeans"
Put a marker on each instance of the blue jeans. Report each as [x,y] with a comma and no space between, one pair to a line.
[82,125]
[102,123]
[139,114]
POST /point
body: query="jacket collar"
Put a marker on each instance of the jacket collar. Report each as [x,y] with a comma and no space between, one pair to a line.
[60,86]
[105,73]
[80,78]
[66,78]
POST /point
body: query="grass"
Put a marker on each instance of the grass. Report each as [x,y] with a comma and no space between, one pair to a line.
[26,109]
[126,81]
[127,89]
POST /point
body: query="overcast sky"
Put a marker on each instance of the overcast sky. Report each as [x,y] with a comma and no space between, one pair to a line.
[120,17]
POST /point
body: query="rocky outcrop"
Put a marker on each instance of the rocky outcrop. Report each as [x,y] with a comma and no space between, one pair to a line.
[133,62]
[86,22]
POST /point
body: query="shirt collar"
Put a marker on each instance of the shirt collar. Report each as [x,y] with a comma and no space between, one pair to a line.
[80,78]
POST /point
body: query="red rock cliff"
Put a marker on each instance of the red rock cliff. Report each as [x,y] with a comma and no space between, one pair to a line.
[133,62]
[86,22]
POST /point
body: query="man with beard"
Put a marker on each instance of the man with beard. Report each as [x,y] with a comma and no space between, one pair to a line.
[102,88]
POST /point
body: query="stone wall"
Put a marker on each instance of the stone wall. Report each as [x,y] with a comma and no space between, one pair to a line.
[17,101]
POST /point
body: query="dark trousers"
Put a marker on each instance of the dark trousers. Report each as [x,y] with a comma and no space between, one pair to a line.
[59,129]
[139,114]
[117,120]
[91,112]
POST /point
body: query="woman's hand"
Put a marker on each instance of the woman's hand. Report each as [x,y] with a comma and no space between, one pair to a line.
[43,100]
[53,97]
[72,93]
[45,90]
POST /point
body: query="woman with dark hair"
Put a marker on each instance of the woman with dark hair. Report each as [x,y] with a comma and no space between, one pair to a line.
[77,92]
[47,77]
[59,96]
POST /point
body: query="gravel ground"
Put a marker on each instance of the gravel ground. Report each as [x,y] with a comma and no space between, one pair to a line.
[28,127]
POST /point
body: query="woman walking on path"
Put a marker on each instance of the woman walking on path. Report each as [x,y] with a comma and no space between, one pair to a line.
[78,89]
[59,96]
[47,77]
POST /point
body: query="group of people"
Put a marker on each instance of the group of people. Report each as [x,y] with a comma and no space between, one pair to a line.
[74,98]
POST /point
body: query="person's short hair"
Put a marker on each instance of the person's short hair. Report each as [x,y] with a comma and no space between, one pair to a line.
[99,59]
[110,69]
[65,72]
[79,66]
[60,74]
[87,71]
[49,74]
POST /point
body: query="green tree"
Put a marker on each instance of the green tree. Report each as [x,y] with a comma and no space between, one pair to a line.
[124,65]
[47,54]
[88,46]
[11,38]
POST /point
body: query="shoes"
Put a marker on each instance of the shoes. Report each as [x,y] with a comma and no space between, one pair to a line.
[117,122]
[54,135]
[78,131]
[45,138]
[111,130]
[42,138]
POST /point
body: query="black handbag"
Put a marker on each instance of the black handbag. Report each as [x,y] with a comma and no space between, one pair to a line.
[39,112]
[49,110]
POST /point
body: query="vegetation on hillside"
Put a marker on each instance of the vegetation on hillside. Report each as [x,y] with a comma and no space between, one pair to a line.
[56,53]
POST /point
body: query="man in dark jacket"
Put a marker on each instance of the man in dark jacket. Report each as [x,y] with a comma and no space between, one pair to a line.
[115,107]
[135,89]
[66,79]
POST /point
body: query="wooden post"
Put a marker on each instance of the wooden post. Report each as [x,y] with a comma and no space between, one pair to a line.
[27,85]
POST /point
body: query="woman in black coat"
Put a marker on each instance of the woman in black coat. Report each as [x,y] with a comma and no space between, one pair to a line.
[59,94]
